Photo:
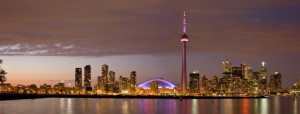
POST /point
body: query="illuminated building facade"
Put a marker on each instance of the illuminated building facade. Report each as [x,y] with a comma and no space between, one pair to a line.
[275,82]
[111,76]
[59,88]
[132,81]
[248,73]
[161,84]
[263,71]
[226,67]
[194,82]
[124,85]
[100,83]
[263,82]
[87,77]
[164,86]
[78,78]
[154,87]
[226,80]
[215,83]
[105,73]
[203,84]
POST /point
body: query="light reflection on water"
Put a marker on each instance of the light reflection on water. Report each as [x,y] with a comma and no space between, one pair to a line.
[272,105]
[264,106]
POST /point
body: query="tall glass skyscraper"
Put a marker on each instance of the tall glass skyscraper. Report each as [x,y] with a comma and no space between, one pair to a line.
[87,76]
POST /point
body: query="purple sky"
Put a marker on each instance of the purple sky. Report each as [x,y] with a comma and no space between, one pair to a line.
[46,40]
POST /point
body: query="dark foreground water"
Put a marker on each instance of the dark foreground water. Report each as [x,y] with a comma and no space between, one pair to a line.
[272,105]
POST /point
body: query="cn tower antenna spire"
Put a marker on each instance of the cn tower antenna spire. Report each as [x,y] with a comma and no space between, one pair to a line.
[184,23]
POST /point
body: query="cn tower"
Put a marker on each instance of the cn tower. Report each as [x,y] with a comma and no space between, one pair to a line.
[184,39]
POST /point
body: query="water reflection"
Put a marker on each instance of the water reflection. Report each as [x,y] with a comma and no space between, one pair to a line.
[125,107]
[227,105]
[264,106]
[245,106]
[276,105]
[195,106]
[69,106]
[273,105]
[296,106]
[66,107]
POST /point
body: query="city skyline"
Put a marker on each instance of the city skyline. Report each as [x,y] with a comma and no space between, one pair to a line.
[46,41]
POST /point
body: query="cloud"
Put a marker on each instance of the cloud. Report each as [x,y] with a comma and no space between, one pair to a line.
[103,28]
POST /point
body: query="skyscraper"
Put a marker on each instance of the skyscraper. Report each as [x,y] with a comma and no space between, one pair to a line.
[248,73]
[111,76]
[124,84]
[263,81]
[132,81]
[105,73]
[194,82]
[214,83]
[263,71]
[78,78]
[275,82]
[237,72]
[184,40]
[100,83]
[87,76]
[226,67]
[203,84]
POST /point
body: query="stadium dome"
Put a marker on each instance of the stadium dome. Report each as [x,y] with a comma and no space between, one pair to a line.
[161,84]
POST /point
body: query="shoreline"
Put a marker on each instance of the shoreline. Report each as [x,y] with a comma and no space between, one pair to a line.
[37,96]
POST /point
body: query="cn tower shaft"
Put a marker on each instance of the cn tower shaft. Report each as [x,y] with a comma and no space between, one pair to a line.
[183,75]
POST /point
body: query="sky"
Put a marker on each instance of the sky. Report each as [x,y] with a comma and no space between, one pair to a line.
[44,41]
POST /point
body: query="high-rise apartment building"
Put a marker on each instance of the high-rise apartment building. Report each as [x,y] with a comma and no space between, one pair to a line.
[111,76]
[78,78]
[105,73]
[124,85]
[87,76]
[132,81]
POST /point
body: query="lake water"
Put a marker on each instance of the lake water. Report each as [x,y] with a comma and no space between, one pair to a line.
[271,105]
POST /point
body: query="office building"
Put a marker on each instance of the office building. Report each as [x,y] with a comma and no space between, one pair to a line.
[275,82]
[194,82]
